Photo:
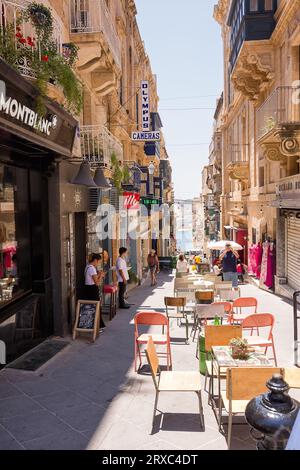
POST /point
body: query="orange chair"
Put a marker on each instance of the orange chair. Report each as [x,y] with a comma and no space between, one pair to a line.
[238,304]
[257,321]
[153,319]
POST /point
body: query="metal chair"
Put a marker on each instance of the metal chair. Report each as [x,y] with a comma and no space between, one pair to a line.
[151,319]
[257,321]
[238,315]
[180,313]
[173,381]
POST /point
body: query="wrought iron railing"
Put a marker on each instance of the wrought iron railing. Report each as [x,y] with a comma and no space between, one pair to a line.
[12,20]
[98,145]
[93,16]
[281,108]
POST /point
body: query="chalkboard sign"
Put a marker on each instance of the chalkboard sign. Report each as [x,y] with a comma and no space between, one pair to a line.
[87,317]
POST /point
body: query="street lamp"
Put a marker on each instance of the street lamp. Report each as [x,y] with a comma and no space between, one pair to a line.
[151,170]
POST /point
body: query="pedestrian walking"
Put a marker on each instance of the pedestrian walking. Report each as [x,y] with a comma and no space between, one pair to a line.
[229,259]
[93,279]
[153,266]
[182,265]
[122,275]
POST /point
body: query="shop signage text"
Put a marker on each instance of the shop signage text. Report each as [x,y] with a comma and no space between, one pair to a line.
[146,136]
[19,111]
[131,200]
[145,105]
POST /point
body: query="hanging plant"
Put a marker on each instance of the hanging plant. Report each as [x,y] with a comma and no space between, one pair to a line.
[41,18]
[120,174]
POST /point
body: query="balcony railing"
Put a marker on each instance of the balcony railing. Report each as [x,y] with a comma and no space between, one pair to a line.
[93,16]
[11,13]
[281,109]
[98,145]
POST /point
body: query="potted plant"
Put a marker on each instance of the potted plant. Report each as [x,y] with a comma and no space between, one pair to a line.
[239,349]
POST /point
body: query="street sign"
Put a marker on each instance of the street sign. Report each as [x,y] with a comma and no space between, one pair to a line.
[151,136]
[149,201]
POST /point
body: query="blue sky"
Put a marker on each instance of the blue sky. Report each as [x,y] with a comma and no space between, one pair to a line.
[184,44]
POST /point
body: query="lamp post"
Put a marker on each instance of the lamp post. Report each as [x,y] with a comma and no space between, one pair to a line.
[151,170]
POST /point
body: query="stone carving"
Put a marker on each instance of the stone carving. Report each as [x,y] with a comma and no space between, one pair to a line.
[253,73]
[238,171]
[272,152]
[289,146]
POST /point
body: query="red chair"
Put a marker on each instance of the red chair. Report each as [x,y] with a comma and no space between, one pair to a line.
[237,315]
[151,319]
[257,321]
[112,291]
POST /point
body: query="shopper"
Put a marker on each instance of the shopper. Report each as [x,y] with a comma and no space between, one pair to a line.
[93,280]
[182,265]
[229,259]
[153,266]
[122,274]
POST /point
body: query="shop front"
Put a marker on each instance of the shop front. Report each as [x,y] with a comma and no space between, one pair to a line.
[30,149]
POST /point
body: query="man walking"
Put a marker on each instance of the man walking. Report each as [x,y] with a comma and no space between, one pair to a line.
[229,259]
[122,274]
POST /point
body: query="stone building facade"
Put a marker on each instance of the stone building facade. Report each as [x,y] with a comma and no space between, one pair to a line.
[260,129]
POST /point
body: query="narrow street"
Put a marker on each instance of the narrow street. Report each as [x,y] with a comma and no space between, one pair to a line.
[89,397]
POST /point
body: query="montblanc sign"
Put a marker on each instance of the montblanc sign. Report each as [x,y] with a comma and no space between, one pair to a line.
[21,112]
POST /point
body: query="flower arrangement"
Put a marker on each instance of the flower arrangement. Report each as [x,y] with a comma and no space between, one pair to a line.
[41,53]
[239,348]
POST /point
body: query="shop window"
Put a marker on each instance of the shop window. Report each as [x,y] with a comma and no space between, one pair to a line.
[15,275]
[268,5]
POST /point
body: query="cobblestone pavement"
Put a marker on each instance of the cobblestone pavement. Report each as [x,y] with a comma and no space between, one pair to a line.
[88,396]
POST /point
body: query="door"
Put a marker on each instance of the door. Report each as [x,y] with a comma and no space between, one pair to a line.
[293,252]
[80,252]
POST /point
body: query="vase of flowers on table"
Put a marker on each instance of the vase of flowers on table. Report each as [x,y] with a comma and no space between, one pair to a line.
[239,349]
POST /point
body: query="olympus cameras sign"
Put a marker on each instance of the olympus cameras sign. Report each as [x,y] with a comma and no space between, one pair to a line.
[145,105]
[19,111]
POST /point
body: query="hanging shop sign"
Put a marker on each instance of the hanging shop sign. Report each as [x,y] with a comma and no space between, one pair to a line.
[131,200]
[151,136]
[145,95]
[13,108]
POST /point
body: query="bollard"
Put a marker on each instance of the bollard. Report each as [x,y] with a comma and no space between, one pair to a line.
[273,415]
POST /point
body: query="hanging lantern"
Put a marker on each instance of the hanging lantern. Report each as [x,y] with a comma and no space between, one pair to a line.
[84,176]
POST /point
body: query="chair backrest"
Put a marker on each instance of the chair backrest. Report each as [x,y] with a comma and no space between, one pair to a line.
[152,360]
[223,285]
[259,320]
[175,301]
[204,296]
[220,309]
[221,335]
[245,383]
[228,294]
[150,318]
[292,376]
[244,302]
[189,294]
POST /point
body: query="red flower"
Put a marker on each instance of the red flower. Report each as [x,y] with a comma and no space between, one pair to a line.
[19,35]
[45,58]
[18,28]
[22,40]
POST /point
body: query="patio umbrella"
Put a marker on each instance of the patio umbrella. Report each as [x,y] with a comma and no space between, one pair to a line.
[219,246]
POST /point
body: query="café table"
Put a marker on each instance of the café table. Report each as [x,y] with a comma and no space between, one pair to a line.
[221,360]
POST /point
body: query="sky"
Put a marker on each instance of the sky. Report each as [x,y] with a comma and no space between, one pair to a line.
[184,45]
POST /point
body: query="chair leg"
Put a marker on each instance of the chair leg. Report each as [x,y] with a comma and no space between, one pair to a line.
[187,329]
[135,354]
[229,430]
[170,355]
[155,407]
[201,411]
[274,353]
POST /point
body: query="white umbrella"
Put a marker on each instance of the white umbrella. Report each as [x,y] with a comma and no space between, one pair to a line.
[221,245]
